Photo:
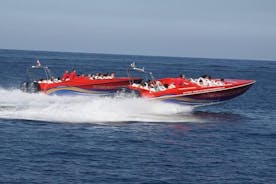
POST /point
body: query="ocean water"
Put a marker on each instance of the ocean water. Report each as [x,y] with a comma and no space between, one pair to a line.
[57,139]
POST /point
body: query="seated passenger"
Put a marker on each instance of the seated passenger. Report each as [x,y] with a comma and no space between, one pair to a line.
[160,86]
[112,75]
[66,75]
[38,64]
[73,74]
[180,80]
[100,76]
[171,86]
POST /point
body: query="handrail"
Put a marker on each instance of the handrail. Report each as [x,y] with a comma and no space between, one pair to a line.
[47,71]
[133,67]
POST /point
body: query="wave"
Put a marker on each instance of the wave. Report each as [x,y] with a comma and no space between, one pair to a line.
[15,104]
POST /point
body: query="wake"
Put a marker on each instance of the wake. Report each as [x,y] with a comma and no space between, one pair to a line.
[15,104]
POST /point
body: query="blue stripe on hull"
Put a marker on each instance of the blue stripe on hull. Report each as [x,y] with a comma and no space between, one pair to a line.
[77,91]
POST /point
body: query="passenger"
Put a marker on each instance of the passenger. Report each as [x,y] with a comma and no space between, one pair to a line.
[73,74]
[160,86]
[105,76]
[220,82]
[200,81]
[65,76]
[100,76]
[171,86]
[82,76]
[150,83]
[112,75]
[180,80]
[38,64]
[145,85]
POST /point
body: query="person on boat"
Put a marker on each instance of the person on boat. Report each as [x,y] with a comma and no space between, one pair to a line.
[159,86]
[112,76]
[99,76]
[38,64]
[66,75]
[73,74]
[180,80]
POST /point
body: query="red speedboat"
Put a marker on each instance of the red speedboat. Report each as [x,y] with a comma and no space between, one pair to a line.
[89,84]
[203,90]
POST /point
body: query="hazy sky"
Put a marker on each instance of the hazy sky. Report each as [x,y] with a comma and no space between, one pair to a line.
[243,29]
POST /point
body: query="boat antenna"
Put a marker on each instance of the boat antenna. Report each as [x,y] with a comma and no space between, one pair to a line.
[133,66]
[38,65]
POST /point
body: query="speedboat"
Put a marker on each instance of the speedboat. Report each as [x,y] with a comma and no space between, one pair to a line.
[200,91]
[80,84]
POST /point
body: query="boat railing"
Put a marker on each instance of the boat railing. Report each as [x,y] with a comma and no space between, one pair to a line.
[133,67]
[38,66]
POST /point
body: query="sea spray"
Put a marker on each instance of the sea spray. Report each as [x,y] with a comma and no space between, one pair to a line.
[86,109]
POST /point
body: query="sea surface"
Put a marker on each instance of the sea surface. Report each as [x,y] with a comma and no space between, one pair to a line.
[81,139]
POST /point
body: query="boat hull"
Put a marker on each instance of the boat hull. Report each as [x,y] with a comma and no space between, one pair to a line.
[199,95]
[72,83]
[208,97]
[96,87]
[78,86]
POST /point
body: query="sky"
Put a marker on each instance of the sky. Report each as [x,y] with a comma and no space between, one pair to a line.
[235,29]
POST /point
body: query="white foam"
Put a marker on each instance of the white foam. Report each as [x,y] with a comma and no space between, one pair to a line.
[15,104]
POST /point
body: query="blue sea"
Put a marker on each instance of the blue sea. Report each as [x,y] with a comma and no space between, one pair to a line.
[86,139]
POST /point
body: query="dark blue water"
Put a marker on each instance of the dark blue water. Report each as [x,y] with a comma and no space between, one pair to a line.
[126,140]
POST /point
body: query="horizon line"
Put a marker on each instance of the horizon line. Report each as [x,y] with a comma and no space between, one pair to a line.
[140,55]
